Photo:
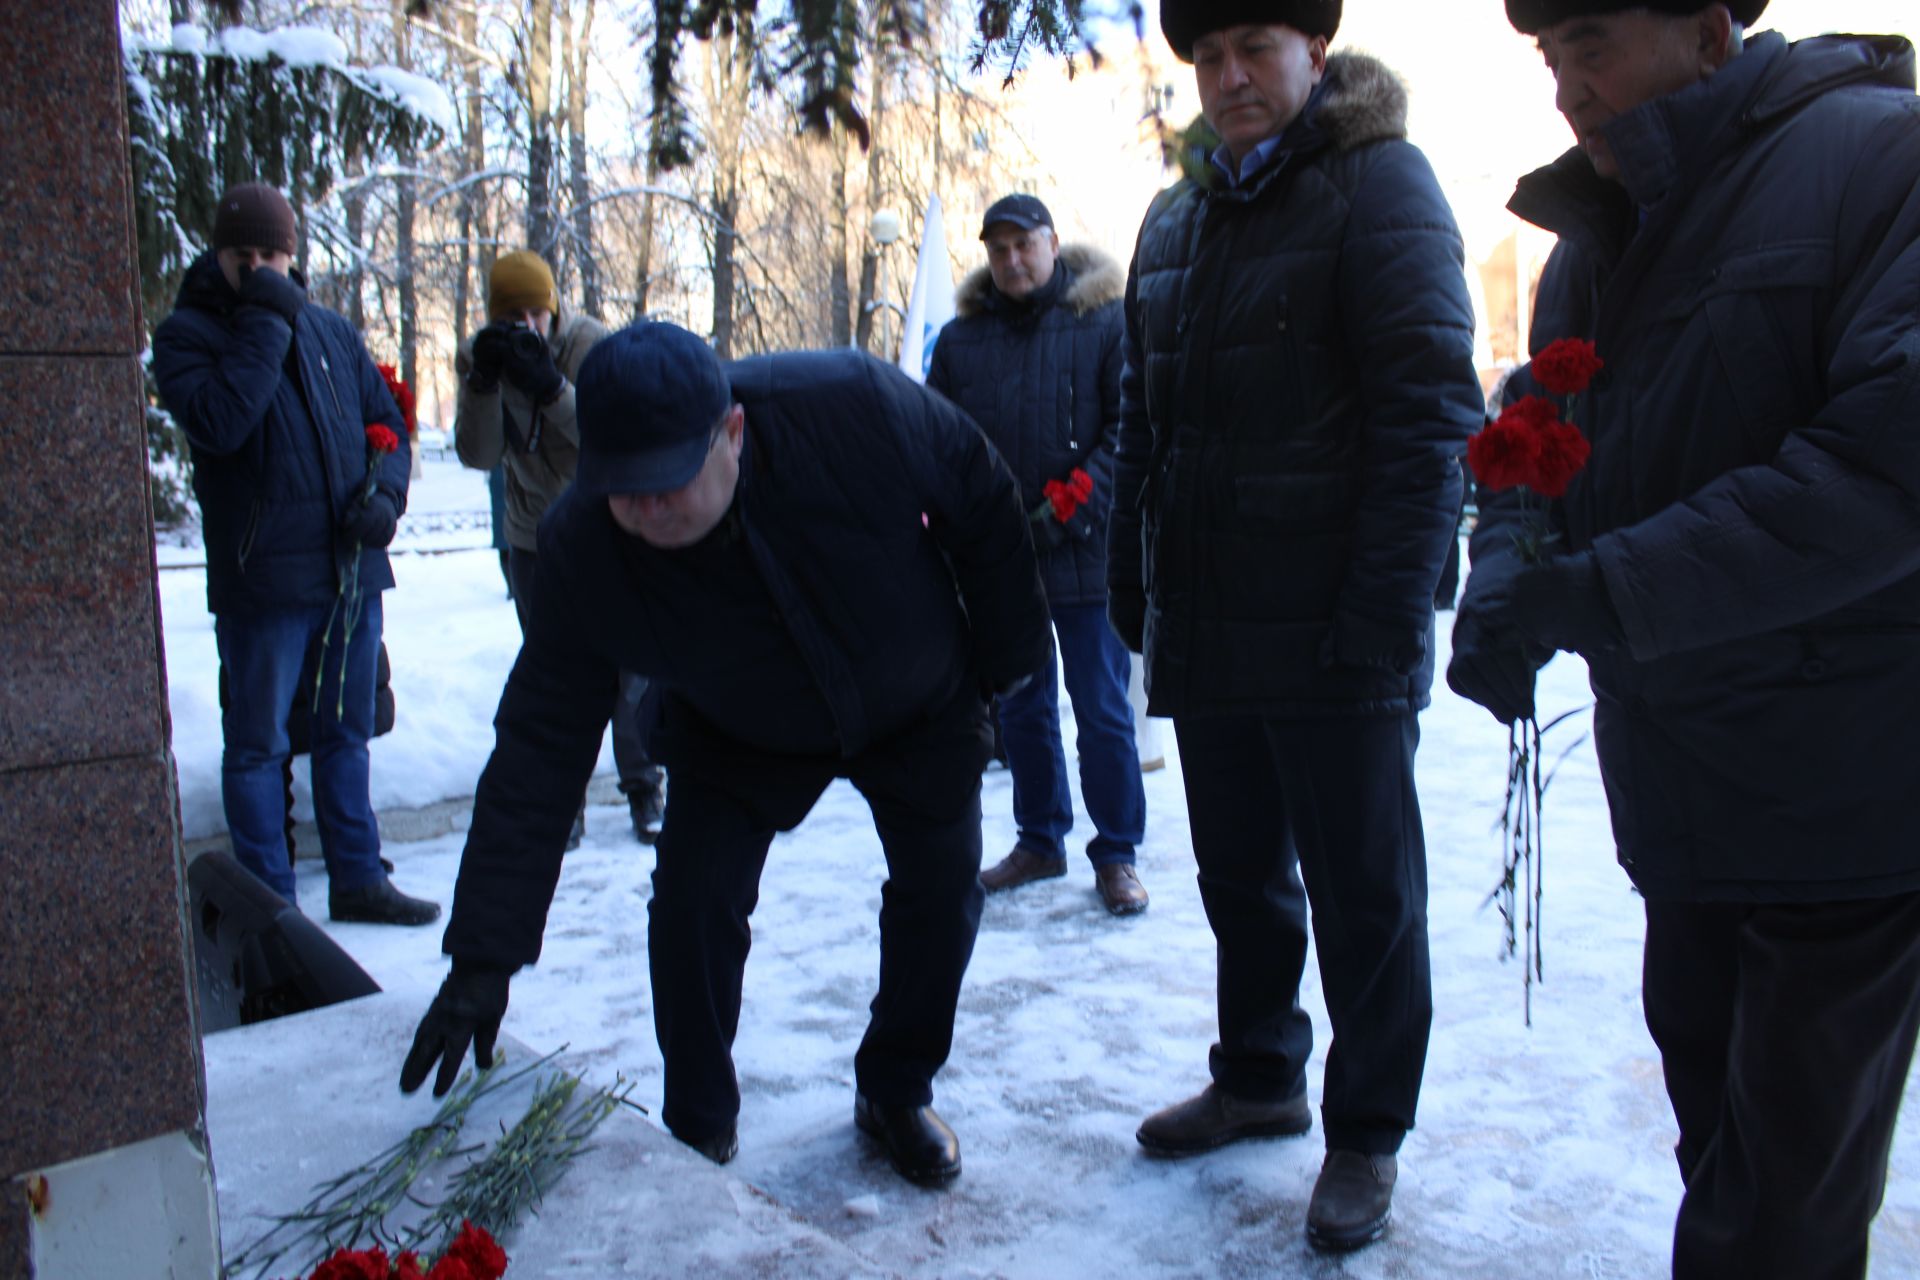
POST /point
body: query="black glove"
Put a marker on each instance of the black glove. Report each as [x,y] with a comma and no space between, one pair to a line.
[468,1009]
[264,287]
[1494,663]
[371,521]
[1563,603]
[1048,533]
[490,348]
[529,366]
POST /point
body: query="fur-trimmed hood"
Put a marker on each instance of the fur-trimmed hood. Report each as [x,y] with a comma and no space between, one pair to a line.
[1097,280]
[1366,101]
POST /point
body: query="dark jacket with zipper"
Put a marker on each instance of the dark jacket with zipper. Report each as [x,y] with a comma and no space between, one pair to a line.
[1042,378]
[276,415]
[1753,496]
[874,568]
[1299,387]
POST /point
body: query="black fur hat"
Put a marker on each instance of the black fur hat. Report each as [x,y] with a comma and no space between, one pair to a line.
[1184,21]
[1528,16]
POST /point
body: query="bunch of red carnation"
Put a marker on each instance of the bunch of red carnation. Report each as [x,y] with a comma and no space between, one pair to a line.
[402,396]
[473,1255]
[1529,445]
[1068,496]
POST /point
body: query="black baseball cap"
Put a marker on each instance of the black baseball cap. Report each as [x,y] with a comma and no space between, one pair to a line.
[646,403]
[1023,211]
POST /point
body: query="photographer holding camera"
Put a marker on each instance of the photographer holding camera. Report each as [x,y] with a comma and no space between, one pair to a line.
[516,405]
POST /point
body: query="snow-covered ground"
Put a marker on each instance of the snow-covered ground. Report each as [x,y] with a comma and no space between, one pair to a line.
[1540,1152]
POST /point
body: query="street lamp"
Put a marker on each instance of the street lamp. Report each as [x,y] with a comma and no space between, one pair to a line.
[884,227]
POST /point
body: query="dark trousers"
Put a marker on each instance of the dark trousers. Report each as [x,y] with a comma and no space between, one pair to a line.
[1096,665]
[636,711]
[264,655]
[1786,1033]
[1332,801]
[722,813]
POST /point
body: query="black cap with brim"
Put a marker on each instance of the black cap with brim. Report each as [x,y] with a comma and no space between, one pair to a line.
[658,471]
[646,401]
[1021,210]
[1531,17]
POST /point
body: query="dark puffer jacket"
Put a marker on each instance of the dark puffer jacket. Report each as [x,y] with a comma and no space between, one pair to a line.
[1299,386]
[1043,381]
[893,617]
[1753,497]
[277,417]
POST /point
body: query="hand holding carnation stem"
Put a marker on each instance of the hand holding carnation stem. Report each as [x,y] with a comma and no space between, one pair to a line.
[381,441]
[1530,447]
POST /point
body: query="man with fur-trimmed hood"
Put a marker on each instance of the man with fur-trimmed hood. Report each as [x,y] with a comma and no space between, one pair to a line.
[1299,386]
[1034,357]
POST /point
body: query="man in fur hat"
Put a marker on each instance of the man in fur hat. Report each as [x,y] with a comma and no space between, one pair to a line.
[1034,357]
[516,406]
[1299,386]
[1739,564]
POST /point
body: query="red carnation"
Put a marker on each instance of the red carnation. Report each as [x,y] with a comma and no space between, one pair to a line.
[353,1264]
[1504,453]
[1081,483]
[1567,366]
[1061,498]
[480,1251]
[402,396]
[1563,452]
[407,1267]
[452,1268]
[380,438]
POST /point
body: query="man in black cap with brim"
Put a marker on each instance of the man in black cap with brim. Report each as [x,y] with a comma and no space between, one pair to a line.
[826,569]
[1298,388]
[1739,564]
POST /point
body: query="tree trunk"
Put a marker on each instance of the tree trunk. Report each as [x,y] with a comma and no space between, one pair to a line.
[356,205]
[837,300]
[579,190]
[730,68]
[473,145]
[643,269]
[869,313]
[540,229]
[403,231]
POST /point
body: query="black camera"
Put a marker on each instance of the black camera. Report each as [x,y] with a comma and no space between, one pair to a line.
[524,342]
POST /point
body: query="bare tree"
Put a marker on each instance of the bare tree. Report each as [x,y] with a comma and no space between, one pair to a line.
[574,55]
[540,224]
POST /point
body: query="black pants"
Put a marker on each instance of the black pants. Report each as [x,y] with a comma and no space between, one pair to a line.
[634,714]
[1786,1033]
[722,813]
[1333,801]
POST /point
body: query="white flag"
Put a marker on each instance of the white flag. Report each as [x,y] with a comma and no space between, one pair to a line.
[932,303]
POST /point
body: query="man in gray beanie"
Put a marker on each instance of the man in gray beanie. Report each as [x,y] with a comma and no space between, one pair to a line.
[1298,388]
[1739,564]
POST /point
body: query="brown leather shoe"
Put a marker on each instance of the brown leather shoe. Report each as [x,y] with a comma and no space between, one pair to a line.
[1352,1201]
[1213,1118]
[1022,866]
[1120,889]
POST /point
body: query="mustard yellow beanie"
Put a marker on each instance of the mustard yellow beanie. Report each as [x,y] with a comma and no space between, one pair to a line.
[520,281]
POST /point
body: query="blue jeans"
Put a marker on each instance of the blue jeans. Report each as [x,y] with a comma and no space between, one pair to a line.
[263,654]
[1096,665]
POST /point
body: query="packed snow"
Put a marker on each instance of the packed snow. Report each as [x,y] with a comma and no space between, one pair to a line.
[1542,1151]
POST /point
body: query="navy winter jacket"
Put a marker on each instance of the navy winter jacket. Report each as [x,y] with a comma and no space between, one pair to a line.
[894,615]
[1043,381]
[1753,497]
[1299,387]
[276,415]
